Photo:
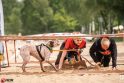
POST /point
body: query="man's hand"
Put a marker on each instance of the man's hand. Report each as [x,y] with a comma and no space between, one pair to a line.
[78,51]
[114,68]
[98,63]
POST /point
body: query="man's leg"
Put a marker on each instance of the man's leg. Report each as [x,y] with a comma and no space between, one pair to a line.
[69,56]
[58,58]
[106,61]
[97,58]
[76,56]
[59,55]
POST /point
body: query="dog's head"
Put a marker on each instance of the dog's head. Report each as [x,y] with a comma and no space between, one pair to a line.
[53,43]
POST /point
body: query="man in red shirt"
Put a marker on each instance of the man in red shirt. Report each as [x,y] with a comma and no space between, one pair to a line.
[69,44]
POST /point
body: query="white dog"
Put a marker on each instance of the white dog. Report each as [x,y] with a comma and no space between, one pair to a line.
[40,52]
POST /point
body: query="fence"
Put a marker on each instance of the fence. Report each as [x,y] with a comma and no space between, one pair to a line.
[14,38]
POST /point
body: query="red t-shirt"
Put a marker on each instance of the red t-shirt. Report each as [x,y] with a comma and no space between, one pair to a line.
[69,44]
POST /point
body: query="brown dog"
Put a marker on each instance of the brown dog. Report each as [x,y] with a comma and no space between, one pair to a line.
[41,53]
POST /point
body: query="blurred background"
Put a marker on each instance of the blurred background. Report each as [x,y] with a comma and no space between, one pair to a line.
[27,17]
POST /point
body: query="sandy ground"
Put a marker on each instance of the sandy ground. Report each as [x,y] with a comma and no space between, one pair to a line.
[14,74]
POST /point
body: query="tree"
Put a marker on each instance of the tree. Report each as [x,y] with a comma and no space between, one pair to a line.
[78,11]
[12,20]
[45,16]
[63,22]
[35,16]
[108,10]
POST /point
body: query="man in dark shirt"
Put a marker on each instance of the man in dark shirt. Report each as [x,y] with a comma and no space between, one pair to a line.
[102,50]
[69,44]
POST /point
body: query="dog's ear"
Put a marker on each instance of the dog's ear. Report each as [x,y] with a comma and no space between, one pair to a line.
[51,43]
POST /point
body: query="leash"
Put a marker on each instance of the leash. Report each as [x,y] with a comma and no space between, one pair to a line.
[87,60]
[66,50]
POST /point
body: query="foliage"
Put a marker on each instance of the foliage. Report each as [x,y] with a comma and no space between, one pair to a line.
[12,19]
[45,16]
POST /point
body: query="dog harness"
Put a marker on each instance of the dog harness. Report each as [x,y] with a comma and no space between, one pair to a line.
[38,48]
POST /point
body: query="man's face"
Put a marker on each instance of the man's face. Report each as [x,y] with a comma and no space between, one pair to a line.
[78,41]
[105,47]
[105,43]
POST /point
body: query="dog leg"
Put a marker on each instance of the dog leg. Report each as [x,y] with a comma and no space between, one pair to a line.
[52,65]
[25,61]
[41,65]
[25,54]
[23,66]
